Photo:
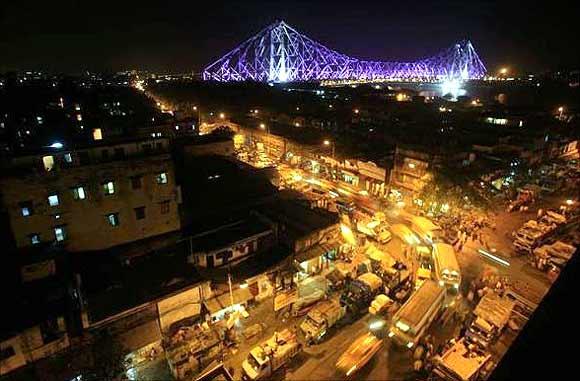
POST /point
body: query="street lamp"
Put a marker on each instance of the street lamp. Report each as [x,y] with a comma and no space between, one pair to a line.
[561,111]
[327,143]
[264,127]
[356,110]
[222,115]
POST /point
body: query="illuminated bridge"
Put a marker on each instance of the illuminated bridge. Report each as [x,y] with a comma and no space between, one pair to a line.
[279,53]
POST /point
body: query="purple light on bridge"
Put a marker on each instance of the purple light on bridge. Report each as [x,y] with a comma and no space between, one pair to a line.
[279,53]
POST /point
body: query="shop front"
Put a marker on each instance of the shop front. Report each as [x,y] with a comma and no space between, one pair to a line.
[315,260]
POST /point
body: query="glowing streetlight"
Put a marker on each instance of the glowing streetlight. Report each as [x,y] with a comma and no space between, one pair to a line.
[297,124]
[264,127]
[194,108]
[503,70]
[561,111]
[222,115]
[327,143]
[356,110]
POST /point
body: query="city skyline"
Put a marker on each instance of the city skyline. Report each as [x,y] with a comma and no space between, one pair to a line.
[73,37]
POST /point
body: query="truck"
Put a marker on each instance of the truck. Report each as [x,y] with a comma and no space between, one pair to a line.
[426,229]
[320,319]
[264,359]
[375,230]
[360,292]
[462,362]
[490,316]
[414,317]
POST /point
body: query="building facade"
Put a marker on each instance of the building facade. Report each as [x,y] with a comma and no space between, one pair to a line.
[92,198]
[411,171]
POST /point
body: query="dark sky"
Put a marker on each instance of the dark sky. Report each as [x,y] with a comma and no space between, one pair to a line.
[180,36]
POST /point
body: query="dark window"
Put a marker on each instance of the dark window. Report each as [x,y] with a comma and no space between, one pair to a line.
[164,207]
[26,208]
[119,153]
[105,154]
[6,353]
[136,182]
[140,213]
[49,330]
[159,146]
[113,219]
[84,158]
[147,148]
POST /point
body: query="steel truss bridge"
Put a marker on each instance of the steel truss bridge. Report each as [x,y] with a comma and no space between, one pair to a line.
[279,53]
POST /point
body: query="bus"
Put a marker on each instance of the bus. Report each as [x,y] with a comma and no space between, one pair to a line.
[447,269]
[413,319]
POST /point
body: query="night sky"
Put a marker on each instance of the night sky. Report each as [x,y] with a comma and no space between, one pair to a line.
[181,36]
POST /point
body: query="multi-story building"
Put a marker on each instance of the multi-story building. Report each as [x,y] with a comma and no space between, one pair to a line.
[411,171]
[92,198]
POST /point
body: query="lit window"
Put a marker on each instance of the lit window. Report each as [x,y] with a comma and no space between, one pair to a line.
[48,162]
[97,134]
[140,213]
[59,233]
[79,193]
[113,219]
[109,187]
[35,239]
[26,208]
[53,200]
[162,178]
[68,157]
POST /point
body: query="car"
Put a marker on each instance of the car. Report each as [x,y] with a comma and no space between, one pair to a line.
[358,354]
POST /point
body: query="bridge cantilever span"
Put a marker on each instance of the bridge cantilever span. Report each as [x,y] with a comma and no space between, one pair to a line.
[278,53]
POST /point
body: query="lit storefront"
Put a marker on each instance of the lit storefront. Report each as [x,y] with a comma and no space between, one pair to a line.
[314,260]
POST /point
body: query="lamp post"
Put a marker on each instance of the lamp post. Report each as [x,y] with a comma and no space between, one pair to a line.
[330,143]
[561,111]
[265,128]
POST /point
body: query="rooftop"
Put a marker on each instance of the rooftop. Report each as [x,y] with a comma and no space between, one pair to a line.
[228,234]
[298,218]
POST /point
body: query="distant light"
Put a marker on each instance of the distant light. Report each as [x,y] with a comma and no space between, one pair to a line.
[222,115]
[569,202]
[57,145]
[452,87]
[326,142]
[356,110]
[503,70]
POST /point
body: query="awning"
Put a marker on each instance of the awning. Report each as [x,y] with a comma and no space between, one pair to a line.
[240,296]
[141,336]
[181,313]
[313,252]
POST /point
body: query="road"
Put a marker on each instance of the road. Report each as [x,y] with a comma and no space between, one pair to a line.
[317,362]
